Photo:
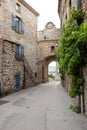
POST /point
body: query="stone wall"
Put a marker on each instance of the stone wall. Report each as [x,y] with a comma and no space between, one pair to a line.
[28,39]
[85,87]
[10,67]
[65,10]
[48,39]
[0,64]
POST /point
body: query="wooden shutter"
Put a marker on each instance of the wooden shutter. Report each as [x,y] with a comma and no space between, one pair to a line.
[14,21]
[17,51]
[78,4]
[22,51]
[22,27]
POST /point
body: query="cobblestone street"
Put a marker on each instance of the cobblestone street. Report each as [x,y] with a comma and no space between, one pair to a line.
[44,107]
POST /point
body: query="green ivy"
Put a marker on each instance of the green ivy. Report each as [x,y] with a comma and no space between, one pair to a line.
[71,50]
[75,108]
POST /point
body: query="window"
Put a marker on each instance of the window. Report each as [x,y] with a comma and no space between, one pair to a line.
[44,37]
[18,24]
[18,7]
[19,52]
[70,4]
[66,16]
[78,4]
[52,48]
[35,74]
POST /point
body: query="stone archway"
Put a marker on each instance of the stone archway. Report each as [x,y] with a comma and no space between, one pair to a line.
[48,60]
[48,40]
[43,67]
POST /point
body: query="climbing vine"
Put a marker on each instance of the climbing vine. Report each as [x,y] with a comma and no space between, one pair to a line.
[72,50]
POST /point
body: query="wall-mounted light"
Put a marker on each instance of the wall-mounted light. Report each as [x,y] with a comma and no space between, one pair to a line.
[56,44]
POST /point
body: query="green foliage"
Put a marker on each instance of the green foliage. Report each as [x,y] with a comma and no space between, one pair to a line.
[75,108]
[74,91]
[71,50]
[77,14]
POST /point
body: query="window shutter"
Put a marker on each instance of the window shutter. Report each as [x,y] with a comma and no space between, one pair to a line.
[79,4]
[14,21]
[76,4]
[22,27]
[17,51]
[22,51]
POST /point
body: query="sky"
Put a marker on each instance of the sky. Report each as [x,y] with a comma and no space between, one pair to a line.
[52,64]
[47,10]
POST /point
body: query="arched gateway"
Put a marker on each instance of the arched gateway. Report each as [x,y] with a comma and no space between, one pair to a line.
[48,40]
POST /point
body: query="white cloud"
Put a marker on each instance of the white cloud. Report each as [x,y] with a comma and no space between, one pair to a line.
[47,10]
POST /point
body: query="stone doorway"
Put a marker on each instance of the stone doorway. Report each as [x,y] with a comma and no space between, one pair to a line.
[52,71]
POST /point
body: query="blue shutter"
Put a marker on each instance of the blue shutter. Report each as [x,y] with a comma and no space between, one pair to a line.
[22,27]
[17,51]
[22,51]
[78,4]
[13,21]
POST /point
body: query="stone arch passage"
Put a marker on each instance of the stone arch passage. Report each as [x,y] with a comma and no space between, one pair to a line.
[48,40]
[47,61]
[52,68]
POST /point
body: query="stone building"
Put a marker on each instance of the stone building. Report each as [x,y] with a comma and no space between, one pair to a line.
[18,46]
[63,10]
[48,39]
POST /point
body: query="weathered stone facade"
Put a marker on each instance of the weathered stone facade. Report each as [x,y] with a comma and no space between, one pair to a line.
[84,8]
[24,35]
[24,57]
[9,68]
[47,41]
[63,10]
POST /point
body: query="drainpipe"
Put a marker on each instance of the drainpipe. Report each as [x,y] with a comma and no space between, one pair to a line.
[82,95]
[82,101]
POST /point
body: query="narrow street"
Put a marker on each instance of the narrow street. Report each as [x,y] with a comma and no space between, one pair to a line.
[44,107]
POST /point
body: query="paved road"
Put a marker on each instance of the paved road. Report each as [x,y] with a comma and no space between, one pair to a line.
[45,107]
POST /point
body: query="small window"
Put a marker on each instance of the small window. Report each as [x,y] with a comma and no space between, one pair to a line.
[70,4]
[44,37]
[52,48]
[35,74]
[66,17]
[19,52]
[18,24]
[18,7]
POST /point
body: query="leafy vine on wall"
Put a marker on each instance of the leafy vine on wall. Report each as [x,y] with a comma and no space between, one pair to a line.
[72,50]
